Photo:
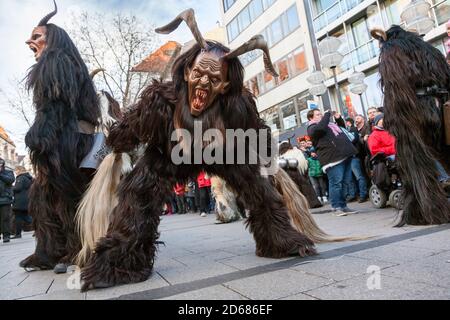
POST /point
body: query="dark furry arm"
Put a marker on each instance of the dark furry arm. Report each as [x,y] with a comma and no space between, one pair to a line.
[150,121]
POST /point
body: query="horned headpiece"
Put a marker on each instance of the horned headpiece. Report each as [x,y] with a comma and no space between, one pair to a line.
[47,18]
[257,42]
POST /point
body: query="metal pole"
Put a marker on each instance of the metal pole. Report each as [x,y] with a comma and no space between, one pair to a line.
[338,92]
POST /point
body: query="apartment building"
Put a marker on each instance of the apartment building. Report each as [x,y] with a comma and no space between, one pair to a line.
[351,21]
[8,150]
[282,102]
[293,28]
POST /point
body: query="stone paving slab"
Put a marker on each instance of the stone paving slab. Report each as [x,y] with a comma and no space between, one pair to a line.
[248,261]
[201,260]
[277,285]
[218,292]
[155,281]
[396,253]
[433,270]
[340,268]
[392,288]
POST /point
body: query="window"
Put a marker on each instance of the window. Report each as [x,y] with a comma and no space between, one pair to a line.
[268,3]
[442,11]
[322,5]
[269,81]
[277,31]
[244,19]
[298,61]
[292,18]
[393,11]
[272,119]
[289,115]
[253,86]
[281,27]
[249,57]
[227,4]
[233,29]
[256,9]
[249,14]
[283,70]
[287,67]
[373,93]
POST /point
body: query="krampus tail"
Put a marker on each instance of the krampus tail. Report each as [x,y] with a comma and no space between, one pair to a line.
[98,202]
[300,216]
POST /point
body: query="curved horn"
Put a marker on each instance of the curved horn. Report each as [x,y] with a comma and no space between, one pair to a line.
[188,16]
[95,72]
[378,34]
[46,19]
[257,42]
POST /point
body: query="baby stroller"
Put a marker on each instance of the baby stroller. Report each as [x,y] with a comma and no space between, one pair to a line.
[386,184]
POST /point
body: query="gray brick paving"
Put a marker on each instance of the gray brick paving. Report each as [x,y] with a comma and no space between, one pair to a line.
[201,260]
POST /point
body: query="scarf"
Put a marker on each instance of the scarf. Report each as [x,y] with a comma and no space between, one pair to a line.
[332,126]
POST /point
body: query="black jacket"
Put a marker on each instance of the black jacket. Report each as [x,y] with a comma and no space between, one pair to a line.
[330,148]
[6,181]
[21,188]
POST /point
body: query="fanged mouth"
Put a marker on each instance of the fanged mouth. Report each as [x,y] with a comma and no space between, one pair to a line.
[200,99]
[34,50]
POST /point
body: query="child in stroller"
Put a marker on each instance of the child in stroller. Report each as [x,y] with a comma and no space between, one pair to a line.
[386,183]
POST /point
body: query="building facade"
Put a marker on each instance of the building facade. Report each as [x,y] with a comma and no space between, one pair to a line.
[293,29]
[351,21]
[8,150]
[282,102]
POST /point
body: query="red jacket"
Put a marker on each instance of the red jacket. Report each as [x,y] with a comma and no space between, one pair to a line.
[381,141]
[202,181]
[179,189]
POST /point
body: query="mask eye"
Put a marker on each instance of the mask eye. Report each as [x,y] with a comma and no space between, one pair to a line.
[196,74]
[214,81]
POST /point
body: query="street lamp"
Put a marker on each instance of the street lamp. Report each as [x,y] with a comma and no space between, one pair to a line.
[416,17]
[316,78]
[357,85]
[331,58]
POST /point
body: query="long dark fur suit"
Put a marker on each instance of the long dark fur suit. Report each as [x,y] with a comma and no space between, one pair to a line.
[63,93]
[407,63]
[126,254]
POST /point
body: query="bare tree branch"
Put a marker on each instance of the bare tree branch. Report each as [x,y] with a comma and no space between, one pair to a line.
[117,45]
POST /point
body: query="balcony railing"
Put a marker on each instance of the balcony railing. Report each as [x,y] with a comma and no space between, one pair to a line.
[440,12]
[332,13]
[357,56]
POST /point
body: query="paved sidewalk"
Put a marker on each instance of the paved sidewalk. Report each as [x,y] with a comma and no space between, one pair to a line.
[201,260]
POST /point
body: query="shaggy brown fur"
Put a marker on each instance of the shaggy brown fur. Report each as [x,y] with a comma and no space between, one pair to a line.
[407,63]
[126,254]
[63,94]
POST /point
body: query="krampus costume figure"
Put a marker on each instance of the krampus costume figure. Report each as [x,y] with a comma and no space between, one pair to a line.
[227,205]
[415,79]
[207,87]
[67,113]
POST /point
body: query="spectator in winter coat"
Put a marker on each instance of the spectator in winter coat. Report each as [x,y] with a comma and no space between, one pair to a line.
[335,151]
[20,204]
[380,140]
[179,197]
[190,196]
[204,185]
[6,199]
[357,167]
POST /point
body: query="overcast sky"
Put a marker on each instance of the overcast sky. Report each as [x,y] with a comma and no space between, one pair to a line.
[18,17]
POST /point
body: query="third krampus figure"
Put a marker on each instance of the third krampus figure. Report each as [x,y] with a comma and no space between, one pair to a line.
[415,80]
